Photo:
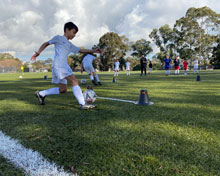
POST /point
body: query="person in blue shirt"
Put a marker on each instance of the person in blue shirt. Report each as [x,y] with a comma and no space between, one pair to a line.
[167,62]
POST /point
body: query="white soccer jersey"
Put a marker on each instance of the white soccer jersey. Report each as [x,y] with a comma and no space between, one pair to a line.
[117,65]
[127,65]
[196,63]
[60,68]
[63,48]
[87,60]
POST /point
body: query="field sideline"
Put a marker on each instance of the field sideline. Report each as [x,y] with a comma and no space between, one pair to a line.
[178,135]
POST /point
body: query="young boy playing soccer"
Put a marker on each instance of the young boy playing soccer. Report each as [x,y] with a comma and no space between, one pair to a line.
[167,64]
[177,65]
[116,67]
[61,71]
[150,68]
[196,66]
[185,64]
[127,64]
[88,67]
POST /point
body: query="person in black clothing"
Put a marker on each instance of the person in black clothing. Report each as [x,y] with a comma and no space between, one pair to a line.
[150,67]
[143,62]
[177,65]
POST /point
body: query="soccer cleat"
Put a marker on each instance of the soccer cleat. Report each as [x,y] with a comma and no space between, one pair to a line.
[40,98]
[87,106]
[93,81]
[99,83]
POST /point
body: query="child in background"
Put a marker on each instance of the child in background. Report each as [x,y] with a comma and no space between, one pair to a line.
[150,67]
[185,65]
[88,67]
[196,66]
[167,61]
[116,67]
[177,65]
[127,64]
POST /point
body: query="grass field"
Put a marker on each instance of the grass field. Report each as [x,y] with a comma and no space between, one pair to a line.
[178,135]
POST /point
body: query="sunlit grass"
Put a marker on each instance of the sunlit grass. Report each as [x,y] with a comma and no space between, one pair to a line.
[178,135]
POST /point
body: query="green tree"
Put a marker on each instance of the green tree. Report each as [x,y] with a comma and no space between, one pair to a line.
[74,61]
[196,33]
[141,47]
[112,45]
[37,65]
[164,39]
[216,55]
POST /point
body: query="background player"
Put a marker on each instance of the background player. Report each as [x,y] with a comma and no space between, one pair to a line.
[116,67]
[185,65]
[177,65]
[88,67]
[127,64]
[167,61]
[196,66]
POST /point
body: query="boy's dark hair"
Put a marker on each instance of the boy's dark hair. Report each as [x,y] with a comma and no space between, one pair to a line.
[84,55]
[70,25]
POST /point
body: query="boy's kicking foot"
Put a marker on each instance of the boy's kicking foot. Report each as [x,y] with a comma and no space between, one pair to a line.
[40,98]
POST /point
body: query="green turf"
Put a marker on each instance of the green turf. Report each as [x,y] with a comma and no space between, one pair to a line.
[178,135]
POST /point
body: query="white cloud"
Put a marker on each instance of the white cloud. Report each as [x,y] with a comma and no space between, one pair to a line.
[25,25]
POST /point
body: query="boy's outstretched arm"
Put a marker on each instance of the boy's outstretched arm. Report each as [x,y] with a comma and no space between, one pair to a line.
[37,53]
[97,50]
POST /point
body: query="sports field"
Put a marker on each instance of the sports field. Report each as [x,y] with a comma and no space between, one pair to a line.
[178,135]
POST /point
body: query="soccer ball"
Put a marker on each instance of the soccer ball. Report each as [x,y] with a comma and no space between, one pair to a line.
[89,96]
[83,81]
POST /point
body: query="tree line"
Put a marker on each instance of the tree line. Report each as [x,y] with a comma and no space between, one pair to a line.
[196,35]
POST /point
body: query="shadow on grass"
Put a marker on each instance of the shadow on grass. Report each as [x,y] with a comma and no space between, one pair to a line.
[117,138]
[121,143]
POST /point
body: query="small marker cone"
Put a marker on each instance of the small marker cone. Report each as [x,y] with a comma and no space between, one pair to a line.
[114,79]
[144,98]
[45,77]
[198,78]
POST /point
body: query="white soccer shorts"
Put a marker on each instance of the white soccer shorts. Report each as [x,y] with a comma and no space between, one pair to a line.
[59,73]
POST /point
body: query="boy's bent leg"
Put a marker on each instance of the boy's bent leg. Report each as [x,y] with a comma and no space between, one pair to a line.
[51,91]
[77,92]
[42,94]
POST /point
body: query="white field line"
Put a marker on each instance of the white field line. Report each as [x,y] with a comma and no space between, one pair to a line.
[30,161]
[115,99]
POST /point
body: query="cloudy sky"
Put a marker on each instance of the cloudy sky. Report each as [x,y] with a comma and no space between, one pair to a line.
[26,24]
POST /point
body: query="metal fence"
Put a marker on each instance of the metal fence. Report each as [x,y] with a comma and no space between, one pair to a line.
[7,69]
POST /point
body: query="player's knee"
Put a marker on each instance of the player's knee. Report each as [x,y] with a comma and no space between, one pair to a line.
[63,90]
[75,82]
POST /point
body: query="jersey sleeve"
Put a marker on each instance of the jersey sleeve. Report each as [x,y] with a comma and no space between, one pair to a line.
[54,40]
[74,49]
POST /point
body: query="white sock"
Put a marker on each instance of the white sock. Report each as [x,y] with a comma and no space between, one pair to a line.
[114,73]
[91,77]
[178,71]
[96,77]
[117,73]
[51,91]
[77,92]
